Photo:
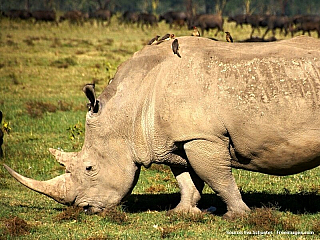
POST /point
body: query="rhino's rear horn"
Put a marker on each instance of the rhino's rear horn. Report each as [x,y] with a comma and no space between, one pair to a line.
[88,89]
[64,158]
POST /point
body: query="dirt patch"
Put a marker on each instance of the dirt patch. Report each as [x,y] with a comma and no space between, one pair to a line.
[15,226]
[269,219]
[115,215]
[69,214]
[36,109]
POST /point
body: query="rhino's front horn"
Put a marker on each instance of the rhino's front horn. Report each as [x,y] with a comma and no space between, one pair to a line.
[59,188]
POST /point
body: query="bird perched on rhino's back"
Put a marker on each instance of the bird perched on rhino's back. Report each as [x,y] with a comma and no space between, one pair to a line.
[154,40]
[175,47]
[228,37]
[88,89]
[166,37]
[195,32]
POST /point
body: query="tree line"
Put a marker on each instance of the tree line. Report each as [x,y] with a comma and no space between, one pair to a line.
[225,7]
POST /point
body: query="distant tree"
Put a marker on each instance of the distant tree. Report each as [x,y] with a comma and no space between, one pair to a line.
[247,6]
[27,5]
[154,4]
[191,12]
[214,6]
[49,4]
[284,6]
[287,7]
[220,6]
[103,4]
[209,6]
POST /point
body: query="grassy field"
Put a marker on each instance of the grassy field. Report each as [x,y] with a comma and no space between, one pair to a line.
[42,71]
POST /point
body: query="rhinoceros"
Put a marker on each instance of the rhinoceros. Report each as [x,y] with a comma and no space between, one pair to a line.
[253,106]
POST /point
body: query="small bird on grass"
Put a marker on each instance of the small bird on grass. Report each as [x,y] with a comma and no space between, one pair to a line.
[195,32]
[154,40]
[228,37]
[175,47]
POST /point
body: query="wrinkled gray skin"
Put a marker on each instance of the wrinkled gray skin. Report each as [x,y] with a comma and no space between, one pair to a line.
[253,106]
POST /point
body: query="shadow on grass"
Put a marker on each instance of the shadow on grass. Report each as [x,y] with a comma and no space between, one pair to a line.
[300,203]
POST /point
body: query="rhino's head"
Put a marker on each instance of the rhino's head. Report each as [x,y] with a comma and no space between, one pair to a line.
[100,175]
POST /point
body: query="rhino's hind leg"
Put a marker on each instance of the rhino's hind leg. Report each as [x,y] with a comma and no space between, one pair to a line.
[190,189]
[211,162]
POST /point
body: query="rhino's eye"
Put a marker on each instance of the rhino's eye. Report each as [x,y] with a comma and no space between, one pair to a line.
[89,168]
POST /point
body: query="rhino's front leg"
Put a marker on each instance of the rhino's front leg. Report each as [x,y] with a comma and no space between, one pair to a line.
[211,162]
[191,187]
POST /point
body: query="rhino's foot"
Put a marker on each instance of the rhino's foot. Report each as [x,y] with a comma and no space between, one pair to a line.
[191,187]
[230,215]
[185,210]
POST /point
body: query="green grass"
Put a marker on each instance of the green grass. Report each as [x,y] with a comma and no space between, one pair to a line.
[42,71]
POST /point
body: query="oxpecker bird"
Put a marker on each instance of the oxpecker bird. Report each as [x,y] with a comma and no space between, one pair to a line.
[88,89]
[195,32]
[175,47]
[166,37]
[228,37]
[154,40]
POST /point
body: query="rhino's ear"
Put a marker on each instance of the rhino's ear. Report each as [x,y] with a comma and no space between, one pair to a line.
[88,89]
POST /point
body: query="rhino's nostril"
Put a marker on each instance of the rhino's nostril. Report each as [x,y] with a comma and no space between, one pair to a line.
[86,209]
[88,168]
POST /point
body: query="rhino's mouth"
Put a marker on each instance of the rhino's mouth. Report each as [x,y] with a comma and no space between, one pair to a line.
[97,204]
[91,208]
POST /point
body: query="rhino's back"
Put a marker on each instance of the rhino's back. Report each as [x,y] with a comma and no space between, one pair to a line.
[273,80]
[245,76]
[264,71]
[243,71]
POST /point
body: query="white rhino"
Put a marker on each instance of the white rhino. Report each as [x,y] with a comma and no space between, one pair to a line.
[253,106]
